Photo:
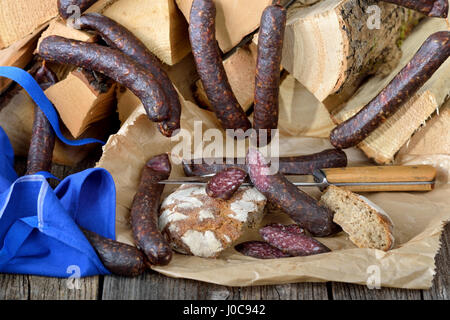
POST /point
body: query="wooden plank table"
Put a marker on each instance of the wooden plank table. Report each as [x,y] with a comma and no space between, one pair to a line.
[154,286]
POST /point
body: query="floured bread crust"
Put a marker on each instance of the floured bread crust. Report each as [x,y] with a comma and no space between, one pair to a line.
[199,225]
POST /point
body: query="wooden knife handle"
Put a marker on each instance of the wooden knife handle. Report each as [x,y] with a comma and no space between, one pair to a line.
[417,173]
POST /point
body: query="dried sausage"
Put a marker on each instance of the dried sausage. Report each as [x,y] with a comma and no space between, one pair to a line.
[63,6]
[306,164]
[431,8]
[298,165]
[40,154]
[119,258]
[117,36]
[208,166]
[206,53]
[112,63]
[433,52]
[260,250]
[302,208]
[225,183]
[291,228]
[145,208]
[294,244]
[267,84]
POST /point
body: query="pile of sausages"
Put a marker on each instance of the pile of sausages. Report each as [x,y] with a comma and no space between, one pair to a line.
[212,73]
[125,59]
[282,241]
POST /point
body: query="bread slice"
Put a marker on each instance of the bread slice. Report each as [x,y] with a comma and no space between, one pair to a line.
[367,225]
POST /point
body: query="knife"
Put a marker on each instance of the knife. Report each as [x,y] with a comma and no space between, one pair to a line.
[356,179]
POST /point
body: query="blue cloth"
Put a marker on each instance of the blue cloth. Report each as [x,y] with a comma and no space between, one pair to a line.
[26,81]
[39,226]
[39,231]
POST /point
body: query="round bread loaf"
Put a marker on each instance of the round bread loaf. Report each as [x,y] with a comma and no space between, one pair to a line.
[199,225]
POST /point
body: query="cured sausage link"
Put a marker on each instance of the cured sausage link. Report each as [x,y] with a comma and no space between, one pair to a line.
[112,63]
[267,84]
[306,164]
[65,12]
[119,258]
[225,183]
[291,228]
[119,37]
[294,244]
[260,250]
[298,165]
[207,57]
[433,52]
[302,208]
[431,8]
[40,154]
[145,208]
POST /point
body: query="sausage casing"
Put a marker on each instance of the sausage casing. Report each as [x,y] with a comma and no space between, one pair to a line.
[112,63]
[64,10]
[297,165]
[225,183]
[302,208]
[119,258]
[210,68]
[260,250]
[431,8]
[40,153]
[117,36]
[145,209]
[433,52]
[267,84]
[294,244]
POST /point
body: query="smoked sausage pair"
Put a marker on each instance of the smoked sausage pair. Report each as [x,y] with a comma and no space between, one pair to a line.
[282,241]
[212,73]
[127,61]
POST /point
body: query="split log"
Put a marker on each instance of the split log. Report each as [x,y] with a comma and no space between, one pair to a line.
[19,18]
[301,114]
[430,145]
[16,118]
[240,68]
[234,19]
[82,99]
[59,27]
[158,24]
[334,44]
[433,137]
[386,140]
[183,75]
[19,54]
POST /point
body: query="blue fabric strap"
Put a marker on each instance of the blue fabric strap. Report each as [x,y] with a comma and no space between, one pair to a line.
[26,81]
[40,227]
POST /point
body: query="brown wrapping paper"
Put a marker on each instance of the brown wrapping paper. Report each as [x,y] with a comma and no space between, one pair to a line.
[418,218]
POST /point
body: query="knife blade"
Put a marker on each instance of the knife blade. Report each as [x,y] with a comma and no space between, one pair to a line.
[360,179]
